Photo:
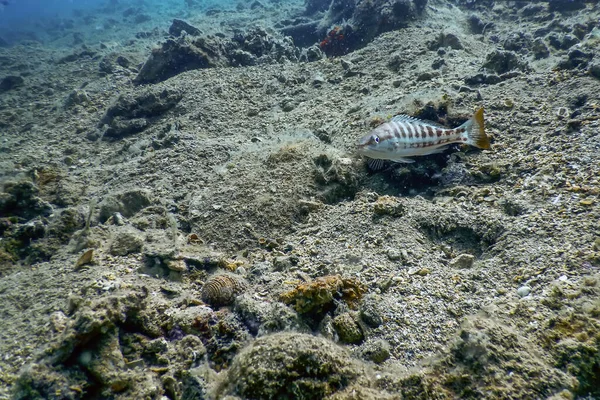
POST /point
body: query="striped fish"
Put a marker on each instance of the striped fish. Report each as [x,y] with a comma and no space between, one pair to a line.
[406,136]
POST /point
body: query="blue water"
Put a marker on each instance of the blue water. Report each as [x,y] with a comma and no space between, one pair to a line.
[20,13]
[49,21]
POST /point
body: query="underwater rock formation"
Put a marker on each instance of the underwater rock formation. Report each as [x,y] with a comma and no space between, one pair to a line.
[346,25]
[291,365]
[179,55]
[254,46]
[178,26]
[133,113]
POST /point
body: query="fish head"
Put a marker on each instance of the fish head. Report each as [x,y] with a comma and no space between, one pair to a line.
[375,144]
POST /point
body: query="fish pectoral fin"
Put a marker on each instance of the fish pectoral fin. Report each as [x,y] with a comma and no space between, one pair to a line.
[403,160]
[375,164]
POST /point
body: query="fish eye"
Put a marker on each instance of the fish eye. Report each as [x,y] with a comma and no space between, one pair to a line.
[376,139]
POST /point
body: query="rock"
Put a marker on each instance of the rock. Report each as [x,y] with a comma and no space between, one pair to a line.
[539,49]
[262,317]
[312,53]
[179,55]
[462,261]
[176,265]
[594,69]
[77,97]
[523,291]
[78,55]
[63,225]
[564,6]
[120,128]
[389,206]
[179,26]
[427,76]
[336,178]
[369,312]
[241,58]
[323,293]
[284,263]
[478,26]
[129,112]
[111,63]
[576,59]
[126,240]
[265,47]
[304,34]
[20,199]
[290,365]
[446,40]
[513,207]
[481,78]
[90,343]
[436,64]
[127,203]
[11,82]
[562,41]
[503,61]
[517,41]
[377,351]
[59,321]
[394,255]
[532,9]
[347,328]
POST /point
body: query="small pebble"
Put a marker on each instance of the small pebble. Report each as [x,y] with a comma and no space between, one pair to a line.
[462,261]
[378,351]
[394,255]
[523,291]
[176,265]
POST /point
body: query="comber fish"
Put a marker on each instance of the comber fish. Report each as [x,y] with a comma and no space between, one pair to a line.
[404,136]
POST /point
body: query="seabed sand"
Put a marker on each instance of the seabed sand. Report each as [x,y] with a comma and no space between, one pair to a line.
[472,274]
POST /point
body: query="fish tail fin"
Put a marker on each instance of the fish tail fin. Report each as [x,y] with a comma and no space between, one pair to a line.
[475,131]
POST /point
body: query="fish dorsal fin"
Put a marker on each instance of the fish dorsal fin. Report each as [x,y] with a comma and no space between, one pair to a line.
[413,120]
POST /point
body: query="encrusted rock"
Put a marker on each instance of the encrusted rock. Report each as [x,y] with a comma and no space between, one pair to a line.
[347,327]
[320,294]
[539,49]
[179,55]
[179,26]
[290,365]
[377,351]
[125,241]
[130,112]
[127,203]
[11,82]
[503,61]
[262,317]
[462,261]
[21,199]
[446,40]
[369,312]
[389,205]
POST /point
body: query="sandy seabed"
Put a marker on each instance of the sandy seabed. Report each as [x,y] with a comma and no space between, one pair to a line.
[242,249]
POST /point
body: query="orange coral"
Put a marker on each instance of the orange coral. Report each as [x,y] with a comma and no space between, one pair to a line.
[320,294]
